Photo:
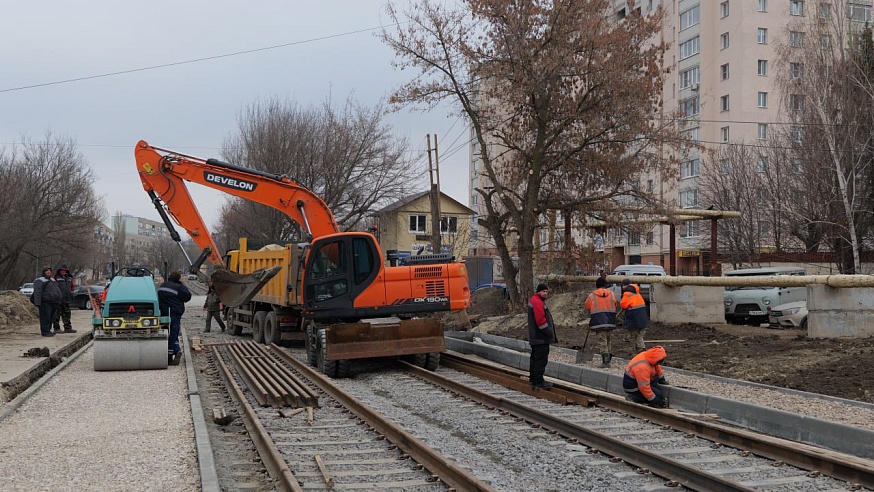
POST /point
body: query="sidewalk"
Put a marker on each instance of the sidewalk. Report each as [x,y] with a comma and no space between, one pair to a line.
[18,372]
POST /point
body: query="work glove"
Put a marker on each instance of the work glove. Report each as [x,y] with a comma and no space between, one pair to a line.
[663,381]
[659,402]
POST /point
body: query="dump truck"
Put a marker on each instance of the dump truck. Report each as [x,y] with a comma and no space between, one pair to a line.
[333,289]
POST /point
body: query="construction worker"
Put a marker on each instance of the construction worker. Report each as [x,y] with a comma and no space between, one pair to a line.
[635,320]
[602,305]
[541,333]
[643,375]
[65,284]
[213,307]
[172,296]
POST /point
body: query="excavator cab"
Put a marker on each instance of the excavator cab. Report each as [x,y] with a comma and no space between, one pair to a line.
[338,268]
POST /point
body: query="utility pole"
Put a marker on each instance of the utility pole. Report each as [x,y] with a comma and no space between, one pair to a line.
[435,196]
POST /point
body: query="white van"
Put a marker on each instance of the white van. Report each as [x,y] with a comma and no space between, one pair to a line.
[752,304]
[641,270]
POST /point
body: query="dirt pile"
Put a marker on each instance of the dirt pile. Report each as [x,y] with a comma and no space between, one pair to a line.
[785,358]
[16,309]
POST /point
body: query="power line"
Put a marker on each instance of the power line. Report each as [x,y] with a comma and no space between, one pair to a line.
[195,60]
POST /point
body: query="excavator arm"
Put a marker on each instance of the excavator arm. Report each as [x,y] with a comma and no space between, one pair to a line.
[164,173]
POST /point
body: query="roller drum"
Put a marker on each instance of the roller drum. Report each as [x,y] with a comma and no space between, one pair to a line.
[127,354]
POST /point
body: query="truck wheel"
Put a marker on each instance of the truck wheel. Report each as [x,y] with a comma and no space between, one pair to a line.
[432,361]
[272,333]
[230,319]
[258,326]
[327,367]
[344,368]
[418,360]
[311,344]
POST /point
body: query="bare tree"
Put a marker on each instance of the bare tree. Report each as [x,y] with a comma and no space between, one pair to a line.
[161,251]
[829,58]
[50,207]
[733,180]
[347,156]
[562,98]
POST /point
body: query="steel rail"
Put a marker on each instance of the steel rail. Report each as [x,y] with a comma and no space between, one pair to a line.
[267,450]
[832,463]
[688,476]
[443,468]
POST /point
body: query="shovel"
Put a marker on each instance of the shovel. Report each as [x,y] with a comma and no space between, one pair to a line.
[584,355]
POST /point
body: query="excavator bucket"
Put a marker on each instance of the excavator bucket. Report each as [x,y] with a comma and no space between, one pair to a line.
[236,289]
[384,338]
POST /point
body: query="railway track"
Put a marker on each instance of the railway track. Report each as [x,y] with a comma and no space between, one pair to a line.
[348,445]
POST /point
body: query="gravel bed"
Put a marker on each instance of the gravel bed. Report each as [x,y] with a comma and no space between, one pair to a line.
[822,409]
[508,457]
[102,431]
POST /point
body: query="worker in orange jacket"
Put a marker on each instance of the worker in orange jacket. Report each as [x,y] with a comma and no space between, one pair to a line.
[601,303]
[635,320]
[643,375]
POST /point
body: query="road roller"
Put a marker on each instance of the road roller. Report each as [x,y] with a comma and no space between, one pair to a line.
[129,332]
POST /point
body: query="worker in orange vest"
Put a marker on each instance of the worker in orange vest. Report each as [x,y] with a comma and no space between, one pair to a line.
[635,320]
[642,378]
[601,303]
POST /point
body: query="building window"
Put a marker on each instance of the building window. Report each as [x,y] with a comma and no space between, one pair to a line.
[634,239]
[825,11]
[650,238]
[796,7]
[689,77]
[796,70]
[448,224]
[417,223]
[796,39]
[762,35]
[650,186]
[689,198]
[691,134]
[796,134]
[690,47]
[690,18]
[762,163]
[723,103]
[690,169]
[762,67]
[825,41]
[762,131]
[690,229]
[858,12]
[725,164]
[762,99]
[723,9]
[723,40]
[763,5]
[795,166]
[796,102]
[725,134]
[723,70]
[689,107]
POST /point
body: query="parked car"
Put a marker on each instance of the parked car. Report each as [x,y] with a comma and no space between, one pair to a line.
[503,288]
[81,299]
[192,276]
[752,304]
[637,270]
[26,289]
[789,315]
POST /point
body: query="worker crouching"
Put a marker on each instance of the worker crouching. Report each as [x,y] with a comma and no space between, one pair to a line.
[643,375]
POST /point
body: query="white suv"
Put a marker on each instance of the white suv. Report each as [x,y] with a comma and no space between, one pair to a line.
[753,304]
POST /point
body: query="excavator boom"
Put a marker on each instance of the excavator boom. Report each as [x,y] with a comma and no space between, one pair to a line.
[163,173]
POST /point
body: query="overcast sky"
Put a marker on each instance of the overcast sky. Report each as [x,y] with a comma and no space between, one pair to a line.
[192,106]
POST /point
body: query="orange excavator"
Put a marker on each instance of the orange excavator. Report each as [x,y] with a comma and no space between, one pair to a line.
[336,292]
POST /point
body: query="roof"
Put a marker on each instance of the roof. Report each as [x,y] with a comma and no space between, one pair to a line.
[409,199]
[776,270]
